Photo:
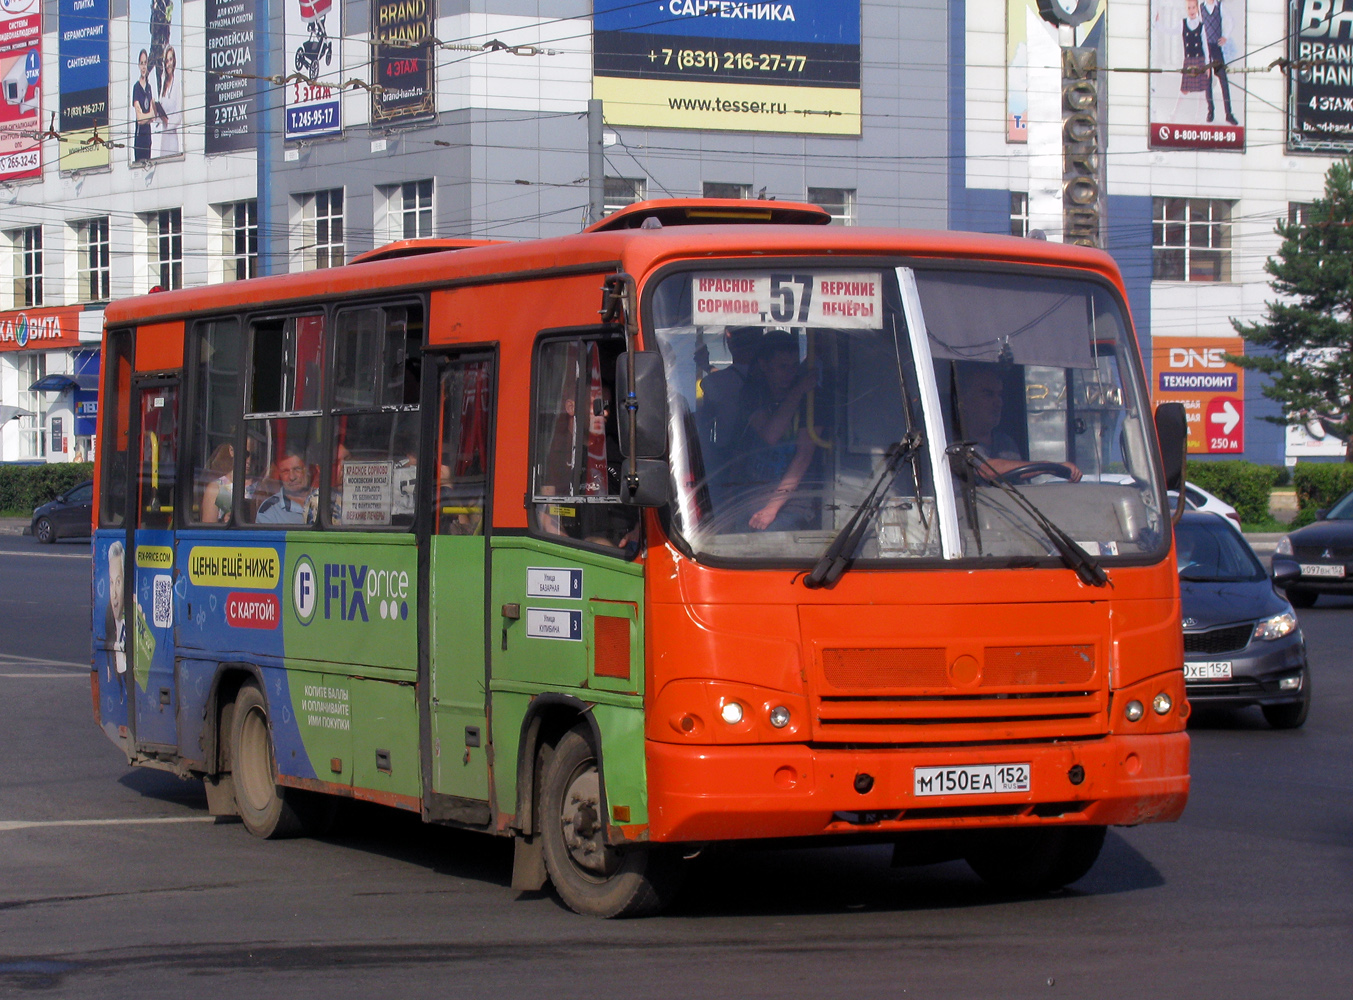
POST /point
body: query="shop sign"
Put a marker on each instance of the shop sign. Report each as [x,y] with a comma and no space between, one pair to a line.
[1194,371]
[39,329]
[1320,82]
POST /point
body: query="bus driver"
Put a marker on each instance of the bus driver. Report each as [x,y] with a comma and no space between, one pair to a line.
[981,401]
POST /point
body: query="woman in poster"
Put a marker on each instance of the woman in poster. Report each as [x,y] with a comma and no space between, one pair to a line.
[1195,76]
[142,103]
[169,107]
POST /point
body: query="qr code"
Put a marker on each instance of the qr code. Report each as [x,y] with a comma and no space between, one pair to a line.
[163,612]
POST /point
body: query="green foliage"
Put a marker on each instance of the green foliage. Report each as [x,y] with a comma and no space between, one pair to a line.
[23,487]
[1320,485]
[1244,485]
[1307,334]
[1304,517]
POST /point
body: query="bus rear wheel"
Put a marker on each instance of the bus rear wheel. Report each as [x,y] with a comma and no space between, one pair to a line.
[267,811]
[590,876]
[1035,860]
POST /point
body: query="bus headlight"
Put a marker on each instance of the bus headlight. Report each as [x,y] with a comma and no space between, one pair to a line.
[1134,711]
[779,717]
[1162,703]
[1276,627]
[731,712]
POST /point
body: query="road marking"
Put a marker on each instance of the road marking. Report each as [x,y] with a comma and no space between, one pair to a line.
[50,673]
[13,659]
[49,555]
[27,824]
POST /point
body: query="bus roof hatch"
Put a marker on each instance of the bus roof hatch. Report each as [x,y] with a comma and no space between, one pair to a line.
[712,212]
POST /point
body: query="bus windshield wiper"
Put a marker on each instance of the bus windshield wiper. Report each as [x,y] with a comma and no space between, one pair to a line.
[839,553]
[1085,566]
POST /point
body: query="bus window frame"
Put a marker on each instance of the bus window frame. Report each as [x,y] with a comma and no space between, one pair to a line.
[189,397]
[108,429]
[436,359]
[890,263]
[329,412]
[589,331]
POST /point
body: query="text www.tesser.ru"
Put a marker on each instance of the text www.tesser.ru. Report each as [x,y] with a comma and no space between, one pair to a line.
[728,107]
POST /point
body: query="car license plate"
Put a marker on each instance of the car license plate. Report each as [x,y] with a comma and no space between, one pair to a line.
[1213,670]
[1311,569]
[975,779]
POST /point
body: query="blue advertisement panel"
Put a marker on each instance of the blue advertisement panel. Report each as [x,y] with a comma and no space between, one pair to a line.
[232,91]
[729,65]
[83,78]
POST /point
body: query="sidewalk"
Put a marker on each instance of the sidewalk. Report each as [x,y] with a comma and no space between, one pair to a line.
[1264,542]
[14,525]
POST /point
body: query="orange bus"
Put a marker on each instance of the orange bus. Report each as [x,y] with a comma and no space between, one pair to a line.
[710,523]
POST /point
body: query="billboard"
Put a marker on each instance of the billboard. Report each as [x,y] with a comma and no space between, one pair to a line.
[20,89]
[729,65]
[1194,371]
[232,101]
[314,31]
[83,77]
[404,61]
[156,98]
[1195,104]
[1320,85]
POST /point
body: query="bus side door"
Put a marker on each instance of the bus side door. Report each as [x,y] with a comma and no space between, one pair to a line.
[150,612]
[455,585]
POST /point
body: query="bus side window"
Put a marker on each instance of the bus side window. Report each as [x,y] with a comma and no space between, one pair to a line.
[463,454]
[114,442]
[576,464]
[215,421]
[373,464]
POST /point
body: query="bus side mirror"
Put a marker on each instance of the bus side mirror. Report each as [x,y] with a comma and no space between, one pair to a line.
[645,482]
[1172,428]
[648,437]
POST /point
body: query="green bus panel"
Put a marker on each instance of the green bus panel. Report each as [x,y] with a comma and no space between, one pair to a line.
[322,704]
[458,697]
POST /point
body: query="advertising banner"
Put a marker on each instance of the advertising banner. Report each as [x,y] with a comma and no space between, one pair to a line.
[232,101]
[1194,371]
[404,60]
[40,329]
[313,30]
[156,98]
[729,65]
[1320,87]
[1195,104]
[20,89]
[83,62]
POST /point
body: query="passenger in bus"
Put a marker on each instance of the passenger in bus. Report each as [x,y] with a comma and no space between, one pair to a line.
[776,445]
[218,494]
[720,417]
[296,501]
[981,405]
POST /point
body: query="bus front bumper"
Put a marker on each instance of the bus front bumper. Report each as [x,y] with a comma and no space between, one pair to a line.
[703,793]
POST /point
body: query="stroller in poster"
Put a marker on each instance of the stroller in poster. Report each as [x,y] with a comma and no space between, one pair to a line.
[1197,95]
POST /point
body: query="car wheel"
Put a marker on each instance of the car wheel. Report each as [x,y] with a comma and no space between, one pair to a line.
[1293,714]
[1301,598]
[590,876]
[1036,860]
[268,810]
[43,531]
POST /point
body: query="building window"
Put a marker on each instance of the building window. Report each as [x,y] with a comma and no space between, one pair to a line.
[322,224]
[1191,239]
[32,433]
[1299,212]
[27,245]
[1019,213]
[166,248]
[239,240]
[715,189]
[840,202]
[93,270]
[416,210]
[622,191]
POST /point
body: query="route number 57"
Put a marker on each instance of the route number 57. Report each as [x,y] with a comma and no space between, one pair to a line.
[782,305]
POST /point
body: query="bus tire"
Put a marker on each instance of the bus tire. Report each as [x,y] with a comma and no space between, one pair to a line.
[267,810]
[590,877]
[1037,859]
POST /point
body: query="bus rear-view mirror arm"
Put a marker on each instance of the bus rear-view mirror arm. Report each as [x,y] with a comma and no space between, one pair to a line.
[1172,428]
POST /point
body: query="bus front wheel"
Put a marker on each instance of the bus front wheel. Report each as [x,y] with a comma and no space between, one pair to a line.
[267,810]
[590,876]
[1035,860]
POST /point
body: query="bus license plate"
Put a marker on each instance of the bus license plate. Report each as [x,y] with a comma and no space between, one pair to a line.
[1318,569]
[1213,670]
[976,779]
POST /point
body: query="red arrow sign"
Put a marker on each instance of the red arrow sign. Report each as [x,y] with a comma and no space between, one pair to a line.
[1224,424]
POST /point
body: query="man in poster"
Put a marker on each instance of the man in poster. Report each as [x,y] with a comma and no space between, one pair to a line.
[1217,27]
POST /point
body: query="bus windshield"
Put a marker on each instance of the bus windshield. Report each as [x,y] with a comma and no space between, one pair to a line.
[798,394]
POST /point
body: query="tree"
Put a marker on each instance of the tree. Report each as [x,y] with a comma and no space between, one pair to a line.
[1307,334]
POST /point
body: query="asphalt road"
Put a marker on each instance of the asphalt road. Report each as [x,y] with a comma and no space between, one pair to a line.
[115,883]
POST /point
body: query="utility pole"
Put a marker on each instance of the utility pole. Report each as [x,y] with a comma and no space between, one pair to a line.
[266,124]
[596,164]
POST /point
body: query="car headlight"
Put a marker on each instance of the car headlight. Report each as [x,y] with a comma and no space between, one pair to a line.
[1284,546]
[1276,627]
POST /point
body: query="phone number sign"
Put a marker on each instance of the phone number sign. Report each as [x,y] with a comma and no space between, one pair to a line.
[836,301]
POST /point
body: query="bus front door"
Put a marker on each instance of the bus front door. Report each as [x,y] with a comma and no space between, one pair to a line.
[457,758]
[150,612]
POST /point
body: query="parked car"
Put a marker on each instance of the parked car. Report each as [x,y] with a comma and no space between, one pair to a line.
[1315,559]
[68,516]
[1242,642]
[1197,498]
